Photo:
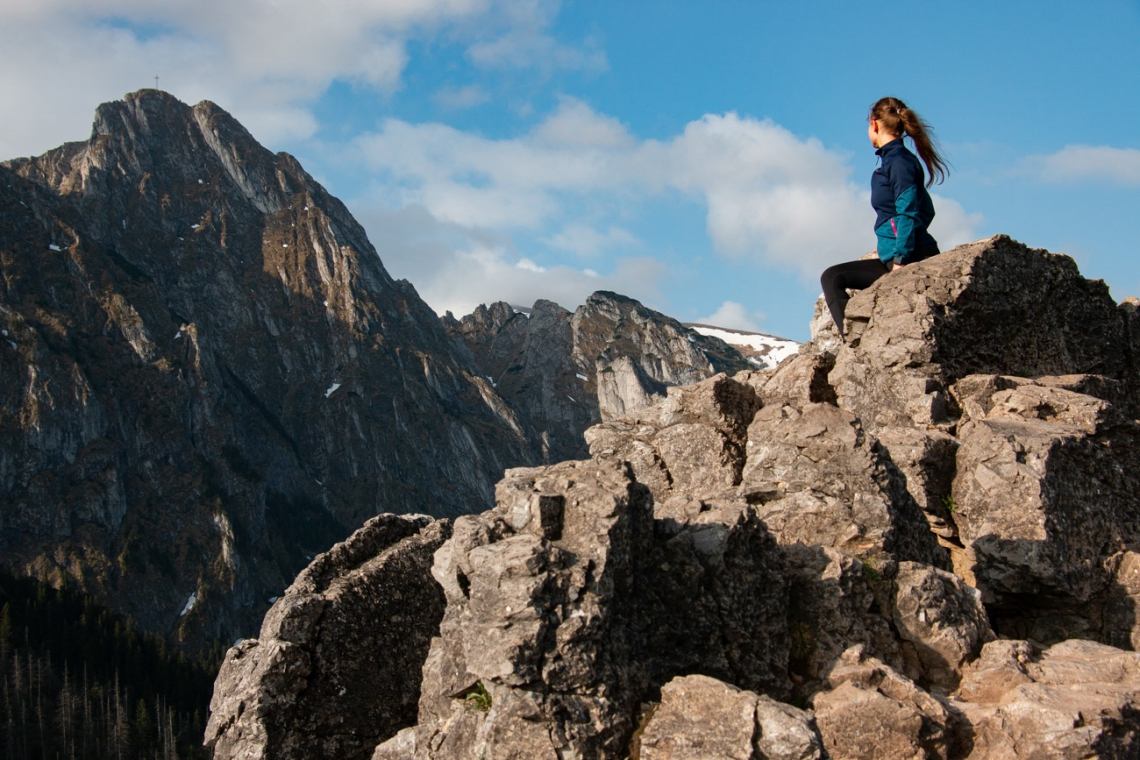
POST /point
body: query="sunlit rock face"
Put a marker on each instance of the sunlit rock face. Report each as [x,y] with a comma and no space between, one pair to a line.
[207,376]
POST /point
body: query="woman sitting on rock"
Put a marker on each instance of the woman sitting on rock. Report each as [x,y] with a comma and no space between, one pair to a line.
[900,198]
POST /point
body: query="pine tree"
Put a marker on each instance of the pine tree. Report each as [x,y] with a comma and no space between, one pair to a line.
[5,631]
[144,732]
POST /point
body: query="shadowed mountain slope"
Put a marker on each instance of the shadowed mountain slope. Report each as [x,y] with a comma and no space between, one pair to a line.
[207,376]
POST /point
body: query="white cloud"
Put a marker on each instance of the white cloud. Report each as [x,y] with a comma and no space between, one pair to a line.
[952,225]
[517,38]
[574,124]
[1087,162]
[734,316]
[456,269]
[265,62]
[584,240]
[577,183]
[462,97]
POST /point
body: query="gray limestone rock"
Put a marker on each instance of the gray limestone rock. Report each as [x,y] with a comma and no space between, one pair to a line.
[824,336]
[1122,604]
[1078,699]
[715,596]
[926,458]
[835,602]
[874,712]
[540,619]
[701,718]
[820,478]
[801,379]
[567,605]
[941,621]
[692,442]
[993,306]
[1044,497]
[315,683]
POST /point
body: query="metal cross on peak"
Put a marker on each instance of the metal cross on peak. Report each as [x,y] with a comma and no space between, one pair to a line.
[156,81]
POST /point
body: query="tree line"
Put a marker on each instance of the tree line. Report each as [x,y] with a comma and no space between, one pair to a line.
[80,681]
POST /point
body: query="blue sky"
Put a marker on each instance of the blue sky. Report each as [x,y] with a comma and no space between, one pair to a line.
[708,158]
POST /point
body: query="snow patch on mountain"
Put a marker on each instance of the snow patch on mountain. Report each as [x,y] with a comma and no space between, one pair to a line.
[764,351]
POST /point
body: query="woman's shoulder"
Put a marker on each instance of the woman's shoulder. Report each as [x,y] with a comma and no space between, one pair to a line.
[901,160]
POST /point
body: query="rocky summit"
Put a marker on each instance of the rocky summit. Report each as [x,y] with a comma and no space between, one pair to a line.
[207,376]
[566,371]
[920,543]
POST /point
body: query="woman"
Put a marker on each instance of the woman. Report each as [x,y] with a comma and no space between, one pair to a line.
[900,198]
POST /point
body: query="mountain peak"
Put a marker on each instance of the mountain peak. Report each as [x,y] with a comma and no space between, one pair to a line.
[211,375]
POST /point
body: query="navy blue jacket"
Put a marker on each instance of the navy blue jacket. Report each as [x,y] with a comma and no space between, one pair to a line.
[904,207]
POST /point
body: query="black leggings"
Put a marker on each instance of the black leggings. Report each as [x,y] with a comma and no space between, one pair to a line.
[855,275]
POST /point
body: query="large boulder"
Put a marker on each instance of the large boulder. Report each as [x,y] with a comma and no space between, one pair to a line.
[820,478]
[1044,498]
[715,595]
[990,307]
[312,685]
[702,718]
[835,601]
[941,622]
[873,712]
[691,443]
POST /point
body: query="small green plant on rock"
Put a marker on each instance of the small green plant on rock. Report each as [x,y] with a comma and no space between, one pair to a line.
[477,698]
[872,574]
[949,503]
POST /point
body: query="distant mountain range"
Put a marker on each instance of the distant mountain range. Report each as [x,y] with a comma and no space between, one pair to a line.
[566,371]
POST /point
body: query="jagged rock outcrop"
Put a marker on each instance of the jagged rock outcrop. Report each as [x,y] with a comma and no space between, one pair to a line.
[990,307]
[693,443]
[1045,495]
[206,374]
[924,564]
[814,475]
[336,667]
[567,371]
[568,604]
[940,621]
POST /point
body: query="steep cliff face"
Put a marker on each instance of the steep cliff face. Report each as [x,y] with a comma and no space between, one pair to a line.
[567,371]
[206,374]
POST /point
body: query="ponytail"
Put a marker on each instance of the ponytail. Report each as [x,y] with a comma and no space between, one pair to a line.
[899,120]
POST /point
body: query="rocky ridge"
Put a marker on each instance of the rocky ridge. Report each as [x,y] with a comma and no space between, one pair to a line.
[565,371]
[207,376]
[923,539]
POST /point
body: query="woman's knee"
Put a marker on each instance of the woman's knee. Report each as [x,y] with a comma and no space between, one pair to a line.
[832,280]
